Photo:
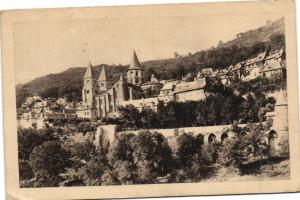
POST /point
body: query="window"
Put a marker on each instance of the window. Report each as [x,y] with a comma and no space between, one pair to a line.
[136,73]
[102,84]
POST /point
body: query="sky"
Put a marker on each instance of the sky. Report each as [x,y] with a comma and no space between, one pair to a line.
[53,46]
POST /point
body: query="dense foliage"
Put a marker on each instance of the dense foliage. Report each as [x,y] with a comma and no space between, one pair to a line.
[146,157]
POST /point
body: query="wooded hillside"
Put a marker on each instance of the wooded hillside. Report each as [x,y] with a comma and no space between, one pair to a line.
[247,45]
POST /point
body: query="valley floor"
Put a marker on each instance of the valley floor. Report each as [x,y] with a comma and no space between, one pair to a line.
[272,171]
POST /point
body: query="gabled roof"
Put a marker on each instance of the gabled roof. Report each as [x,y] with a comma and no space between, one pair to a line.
[237,66]
[194,85]
[223,72]
[89,73]
[272,66]
[167,86]
[135,87]
[206,71]
[122,78]
[214,74]
[258,58]
[278,54]
[102,76]
[189,75]
[199,74]
[135,64]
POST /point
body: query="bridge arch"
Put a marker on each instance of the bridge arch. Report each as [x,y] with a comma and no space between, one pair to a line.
[224,137]
[212,139]
[272,142]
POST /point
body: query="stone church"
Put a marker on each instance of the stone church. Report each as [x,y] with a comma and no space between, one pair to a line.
[100,97]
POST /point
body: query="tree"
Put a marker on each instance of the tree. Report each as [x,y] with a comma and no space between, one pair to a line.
[125,171]
[148,73]
[47,161]
[28,139]
[92,172]
[83,150]
[131,116]
[187,146]
[248,144]
[121,149]
[179,71]
[151,154]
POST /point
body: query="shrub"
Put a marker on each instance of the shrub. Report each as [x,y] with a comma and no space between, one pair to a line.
[91,172]
[187,146]
[152,148]
[47,161]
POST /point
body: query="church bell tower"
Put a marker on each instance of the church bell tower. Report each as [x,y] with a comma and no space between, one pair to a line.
[135,74]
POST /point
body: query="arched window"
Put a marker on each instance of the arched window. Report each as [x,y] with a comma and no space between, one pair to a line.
[212,138]
[224,136]
[272,142]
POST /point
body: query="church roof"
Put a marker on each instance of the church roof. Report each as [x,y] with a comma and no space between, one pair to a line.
[135,64]
[195,85]
[89,73]
[102,76]
[122,78]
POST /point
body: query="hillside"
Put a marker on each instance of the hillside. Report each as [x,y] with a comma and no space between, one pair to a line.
[244,46]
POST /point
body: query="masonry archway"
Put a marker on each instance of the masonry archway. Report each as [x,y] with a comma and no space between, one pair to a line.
[272,141]
[200,139]
[224,137]
[212,138]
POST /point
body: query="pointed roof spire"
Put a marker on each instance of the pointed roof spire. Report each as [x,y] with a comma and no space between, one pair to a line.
[102,76]
[89,71]
[122,77]
[135,64]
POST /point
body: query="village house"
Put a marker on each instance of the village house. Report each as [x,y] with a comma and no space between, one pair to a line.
[256,62]
[191,91]
[236,71]
[166,92]
[274,65]
[222,76]
[206,72]
[188,78]
[152,87]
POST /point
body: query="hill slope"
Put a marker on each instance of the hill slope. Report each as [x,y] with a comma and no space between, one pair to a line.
[246,45]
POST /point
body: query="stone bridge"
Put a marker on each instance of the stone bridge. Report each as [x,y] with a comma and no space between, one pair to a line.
[211,134]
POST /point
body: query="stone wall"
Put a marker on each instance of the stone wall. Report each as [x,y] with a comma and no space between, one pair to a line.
[107,134]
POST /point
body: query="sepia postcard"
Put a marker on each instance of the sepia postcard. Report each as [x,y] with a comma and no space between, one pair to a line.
[150,100]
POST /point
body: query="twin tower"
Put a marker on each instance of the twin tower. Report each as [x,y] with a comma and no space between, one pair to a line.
[100,94]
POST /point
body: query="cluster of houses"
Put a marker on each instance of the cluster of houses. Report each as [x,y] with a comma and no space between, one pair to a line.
[102,98]
[263,65]
[35,111]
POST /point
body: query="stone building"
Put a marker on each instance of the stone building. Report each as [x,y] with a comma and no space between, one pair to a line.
[101,97]
[274,65]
